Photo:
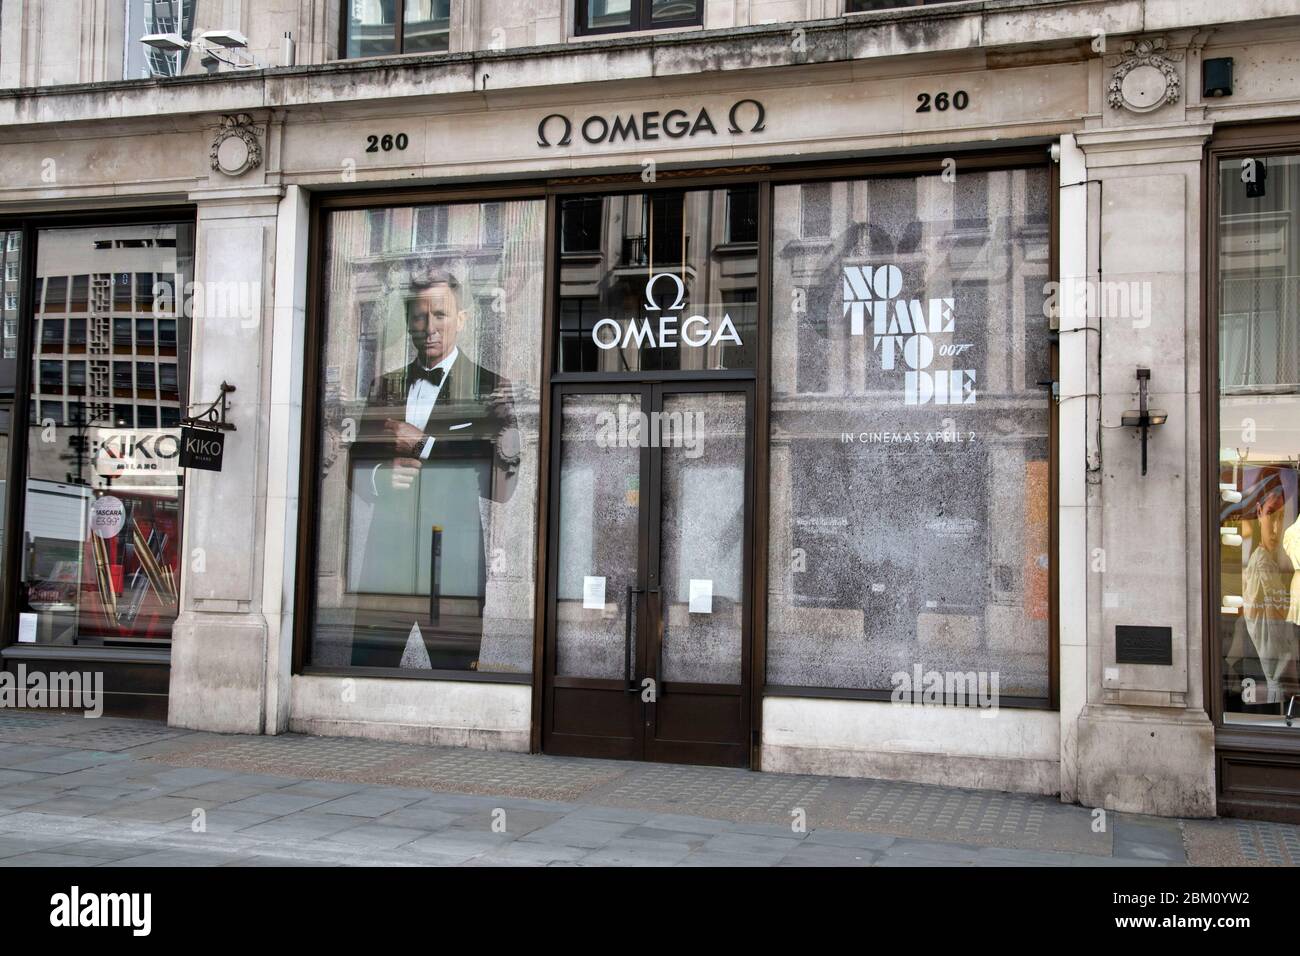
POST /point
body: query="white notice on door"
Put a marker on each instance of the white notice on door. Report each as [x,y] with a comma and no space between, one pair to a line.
[593,592]
[701,595]
[26,628]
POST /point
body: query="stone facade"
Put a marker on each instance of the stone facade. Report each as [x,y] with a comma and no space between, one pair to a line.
[1113,85]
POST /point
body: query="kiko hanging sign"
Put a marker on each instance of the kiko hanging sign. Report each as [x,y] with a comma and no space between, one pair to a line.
[202,449]
[745,116]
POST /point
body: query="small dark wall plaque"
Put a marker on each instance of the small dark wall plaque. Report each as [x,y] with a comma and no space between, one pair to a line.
[1141,644]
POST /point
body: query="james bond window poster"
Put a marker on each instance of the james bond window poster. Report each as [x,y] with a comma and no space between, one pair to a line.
[428,398]
[909,432]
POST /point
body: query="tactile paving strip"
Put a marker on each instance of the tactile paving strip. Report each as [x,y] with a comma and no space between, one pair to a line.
[709,791]
[1277,844]
[449,769]
[112,739]
[965,812]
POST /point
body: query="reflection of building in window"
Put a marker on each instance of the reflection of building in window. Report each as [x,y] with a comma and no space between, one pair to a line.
[105,342]
[1259,417]
[382,27]
[611,249]
[621,16]
[926,524]
[145,17]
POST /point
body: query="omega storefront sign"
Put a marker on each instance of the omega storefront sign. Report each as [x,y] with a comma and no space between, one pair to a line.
[745,116]
[663,331]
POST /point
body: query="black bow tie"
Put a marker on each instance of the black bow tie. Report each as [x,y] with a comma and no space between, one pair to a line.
[433,376]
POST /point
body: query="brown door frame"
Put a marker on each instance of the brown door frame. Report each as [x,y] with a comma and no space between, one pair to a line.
[643,742]
[1268,752]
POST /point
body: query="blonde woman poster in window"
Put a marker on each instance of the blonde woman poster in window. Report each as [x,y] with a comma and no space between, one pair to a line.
[1267,597]
[437,436]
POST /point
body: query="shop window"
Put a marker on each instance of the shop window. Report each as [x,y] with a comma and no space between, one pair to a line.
[1258,498]
[101,521]
[675,293]
[908,523]
[428,441]
[623,16]
[383,27]
[580,225]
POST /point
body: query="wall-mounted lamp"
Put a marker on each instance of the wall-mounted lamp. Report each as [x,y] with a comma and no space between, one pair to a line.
[215,46]
[1232,603]
[1230,536]
[1142,417]
[1229,494]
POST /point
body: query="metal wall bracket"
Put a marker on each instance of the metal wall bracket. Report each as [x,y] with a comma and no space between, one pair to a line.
[213,417]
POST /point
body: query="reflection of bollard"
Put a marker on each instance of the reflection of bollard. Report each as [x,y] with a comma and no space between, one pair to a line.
[435,559]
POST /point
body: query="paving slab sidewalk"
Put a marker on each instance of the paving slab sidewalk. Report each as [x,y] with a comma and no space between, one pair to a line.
[115,792]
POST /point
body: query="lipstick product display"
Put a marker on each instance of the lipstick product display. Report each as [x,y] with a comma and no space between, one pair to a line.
[136,572]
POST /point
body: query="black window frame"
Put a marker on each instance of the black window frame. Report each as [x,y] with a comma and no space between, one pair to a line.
[399,33]
[641,19]
[856,6]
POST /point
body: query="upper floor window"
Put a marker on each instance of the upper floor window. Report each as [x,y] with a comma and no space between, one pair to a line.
[861,6]
[623,16]
[381,27]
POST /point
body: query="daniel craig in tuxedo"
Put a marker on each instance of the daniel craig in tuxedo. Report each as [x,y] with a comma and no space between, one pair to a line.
[441,406]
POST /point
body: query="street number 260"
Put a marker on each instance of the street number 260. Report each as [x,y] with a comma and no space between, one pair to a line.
[388,142]
[941,101]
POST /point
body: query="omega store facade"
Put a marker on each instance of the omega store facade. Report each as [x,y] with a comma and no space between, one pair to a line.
[755,421]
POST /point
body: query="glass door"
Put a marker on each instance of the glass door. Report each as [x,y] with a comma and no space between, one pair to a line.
[649,597]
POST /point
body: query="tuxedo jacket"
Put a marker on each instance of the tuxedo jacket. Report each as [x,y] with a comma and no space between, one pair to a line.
[473,418]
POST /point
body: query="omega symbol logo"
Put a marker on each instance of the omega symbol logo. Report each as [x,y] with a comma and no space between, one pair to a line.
[652,305]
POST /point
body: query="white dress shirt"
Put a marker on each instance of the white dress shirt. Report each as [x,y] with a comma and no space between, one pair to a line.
[423,396]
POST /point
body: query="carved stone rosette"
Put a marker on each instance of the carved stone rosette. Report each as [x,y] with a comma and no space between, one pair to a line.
[236,148]
[1144,78]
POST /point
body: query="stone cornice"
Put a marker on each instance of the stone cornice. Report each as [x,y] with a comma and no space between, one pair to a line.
[974,26]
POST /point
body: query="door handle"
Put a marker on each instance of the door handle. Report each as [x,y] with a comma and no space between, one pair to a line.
[659,642]
[630,685]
